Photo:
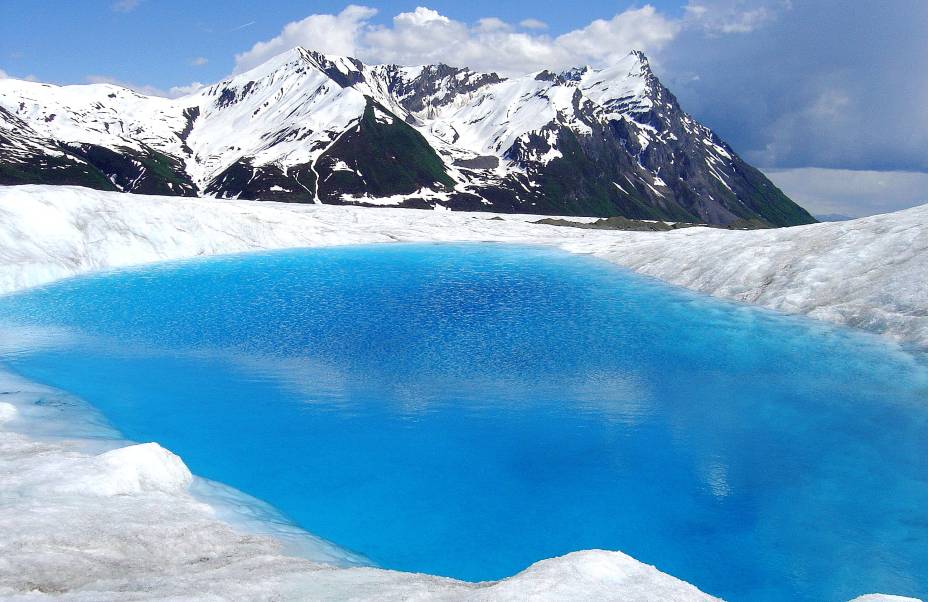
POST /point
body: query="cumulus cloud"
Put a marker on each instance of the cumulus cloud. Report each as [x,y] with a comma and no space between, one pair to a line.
[426,36]
[190,88]
[533,24]
[489,24]
[604,40]
[140,88]
[199,61]
[335,34]
[147,90]
[787,84]
[29,78]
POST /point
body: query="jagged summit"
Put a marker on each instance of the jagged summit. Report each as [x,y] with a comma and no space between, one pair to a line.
[312,127]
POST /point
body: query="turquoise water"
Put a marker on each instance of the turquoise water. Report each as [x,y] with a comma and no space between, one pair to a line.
[466,410]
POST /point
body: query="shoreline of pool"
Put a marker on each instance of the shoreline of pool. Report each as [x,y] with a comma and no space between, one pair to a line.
[866,273]
[150,475]
[139,497]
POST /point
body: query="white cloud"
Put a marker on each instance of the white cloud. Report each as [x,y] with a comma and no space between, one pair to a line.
[426,36]
[717,17]
[141,89]
[489,24]
[146,89]
[422,36]
[852,192]
[28,78]
[190,88]
[199,61]
[533,24]
[604,40]
[125,6]
[335,34]
[420,17]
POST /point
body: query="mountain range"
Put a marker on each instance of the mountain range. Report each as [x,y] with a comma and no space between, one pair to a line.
[313,128]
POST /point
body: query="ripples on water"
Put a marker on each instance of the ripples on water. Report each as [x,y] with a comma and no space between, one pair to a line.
[466,410]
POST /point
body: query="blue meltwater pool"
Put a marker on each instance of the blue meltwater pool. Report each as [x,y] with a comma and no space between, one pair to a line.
[467,410]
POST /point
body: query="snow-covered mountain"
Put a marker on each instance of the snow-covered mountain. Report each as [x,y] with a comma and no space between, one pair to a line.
[307,127]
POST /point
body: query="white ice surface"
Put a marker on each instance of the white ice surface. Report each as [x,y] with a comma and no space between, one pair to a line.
[90,517]
[884,598]
[870,273]
[84,516]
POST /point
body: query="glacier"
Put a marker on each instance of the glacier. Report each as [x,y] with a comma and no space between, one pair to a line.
[867,273]
[89,516]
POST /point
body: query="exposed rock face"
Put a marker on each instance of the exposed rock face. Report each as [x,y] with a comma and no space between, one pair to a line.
[307,127]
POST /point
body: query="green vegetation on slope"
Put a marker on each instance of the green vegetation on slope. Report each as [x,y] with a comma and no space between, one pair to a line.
[392,158]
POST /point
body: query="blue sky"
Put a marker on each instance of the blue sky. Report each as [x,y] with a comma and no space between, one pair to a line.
[153,42]
[818,93]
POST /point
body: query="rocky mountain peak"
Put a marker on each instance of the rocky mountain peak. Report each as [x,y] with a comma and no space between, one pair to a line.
[306,126]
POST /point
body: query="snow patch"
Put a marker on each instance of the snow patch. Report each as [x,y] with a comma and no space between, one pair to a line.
[341,166]
[127,470]
[397,199]
[382,117]
[617,185]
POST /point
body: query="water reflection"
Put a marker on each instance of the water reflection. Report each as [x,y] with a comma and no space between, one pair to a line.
[468,409]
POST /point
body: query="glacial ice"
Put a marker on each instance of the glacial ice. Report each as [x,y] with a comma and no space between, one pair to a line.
[88,516]
[868,273]
[85,517]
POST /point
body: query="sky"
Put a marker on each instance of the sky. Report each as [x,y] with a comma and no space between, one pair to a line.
[828,97]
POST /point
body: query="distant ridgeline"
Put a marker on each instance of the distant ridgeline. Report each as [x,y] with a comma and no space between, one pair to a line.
[305,127]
